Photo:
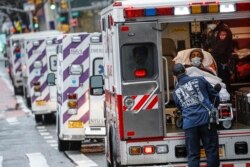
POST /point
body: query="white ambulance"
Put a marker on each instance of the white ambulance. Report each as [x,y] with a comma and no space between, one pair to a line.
[138,37]
[39,65]
[15,56]
[80,113]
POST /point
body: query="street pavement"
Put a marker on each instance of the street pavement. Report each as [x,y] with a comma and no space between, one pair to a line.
[24,143]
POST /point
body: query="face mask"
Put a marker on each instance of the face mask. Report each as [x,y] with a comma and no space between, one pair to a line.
[196,61]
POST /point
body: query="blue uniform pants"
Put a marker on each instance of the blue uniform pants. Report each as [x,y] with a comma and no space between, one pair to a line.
[209,138]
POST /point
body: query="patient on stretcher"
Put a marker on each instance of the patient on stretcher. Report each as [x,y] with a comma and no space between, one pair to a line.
[200,63]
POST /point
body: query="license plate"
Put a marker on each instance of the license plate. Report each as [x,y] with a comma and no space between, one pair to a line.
[75,124]
[41,102]
[203,154]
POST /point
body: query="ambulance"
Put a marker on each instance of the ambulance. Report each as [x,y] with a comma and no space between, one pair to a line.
[80,112]
[140,40]
[15,56]
[39,66]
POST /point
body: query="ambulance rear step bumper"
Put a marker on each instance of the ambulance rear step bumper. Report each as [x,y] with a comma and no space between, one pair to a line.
[95,132]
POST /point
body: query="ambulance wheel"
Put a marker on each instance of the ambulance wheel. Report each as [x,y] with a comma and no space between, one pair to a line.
[75,145]
[28,102]
[178,122]
[49,118]
[62,145]
[18,91]
[39,118]
[227,124]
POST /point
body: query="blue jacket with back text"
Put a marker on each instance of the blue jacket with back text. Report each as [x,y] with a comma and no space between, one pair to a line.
[194,114]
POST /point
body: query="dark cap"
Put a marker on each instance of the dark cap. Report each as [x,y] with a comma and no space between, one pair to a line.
[179,69]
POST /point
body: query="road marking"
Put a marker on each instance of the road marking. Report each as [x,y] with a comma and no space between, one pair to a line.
[42,130]
[48,137]
[1,161]
[37,160]
[80,159]
[12,121]
[44,133]
[51,141]
[40,127]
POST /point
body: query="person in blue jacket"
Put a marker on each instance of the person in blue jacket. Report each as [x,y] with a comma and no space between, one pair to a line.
[196,117]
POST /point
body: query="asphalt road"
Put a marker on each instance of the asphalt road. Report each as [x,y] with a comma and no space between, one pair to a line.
[23,143]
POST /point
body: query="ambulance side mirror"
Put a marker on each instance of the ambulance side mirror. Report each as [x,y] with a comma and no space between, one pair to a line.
[51,79]
[96,85]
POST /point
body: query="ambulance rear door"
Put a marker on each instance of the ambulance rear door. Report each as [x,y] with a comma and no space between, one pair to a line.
[141,76]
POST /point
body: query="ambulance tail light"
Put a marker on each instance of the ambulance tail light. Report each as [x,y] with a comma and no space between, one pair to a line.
[37,86]
[124,28]
[72,103]
[148,150]
[243,6]
[226,8]
[37,89]
[17,52]
[225,112]
[140,73]
[135,150]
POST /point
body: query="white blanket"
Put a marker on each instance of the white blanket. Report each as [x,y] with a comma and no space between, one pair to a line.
[183,57]
[212,79]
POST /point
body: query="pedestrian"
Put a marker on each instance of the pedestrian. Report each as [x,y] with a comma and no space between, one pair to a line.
[191,94]
[222,52]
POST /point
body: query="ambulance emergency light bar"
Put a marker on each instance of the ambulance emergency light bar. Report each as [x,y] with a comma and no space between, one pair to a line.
[195,8]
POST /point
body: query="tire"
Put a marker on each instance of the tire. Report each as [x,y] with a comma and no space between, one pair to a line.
[28,102]
[39,118]
[75,145]
[18,91]
[49,118]
[63,145]
[178,122]
[227,124]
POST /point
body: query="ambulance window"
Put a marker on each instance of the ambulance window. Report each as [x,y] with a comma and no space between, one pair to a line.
[138,61]
[53,63]
[98,68]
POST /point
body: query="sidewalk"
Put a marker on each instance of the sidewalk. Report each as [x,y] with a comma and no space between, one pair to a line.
[8,103]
